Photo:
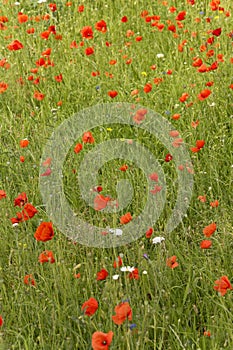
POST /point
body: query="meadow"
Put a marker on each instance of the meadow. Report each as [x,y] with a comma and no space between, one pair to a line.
[164,62]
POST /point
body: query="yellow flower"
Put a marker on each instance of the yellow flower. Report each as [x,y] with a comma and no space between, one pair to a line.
[144,73]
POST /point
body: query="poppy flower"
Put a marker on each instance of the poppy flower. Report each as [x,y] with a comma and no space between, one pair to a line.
[168,157]
[87,32]
[147,88]
[202,198]
[149,232]
[156,189]
[46,256]
[154,177]
[222,285]
[100,202]
[22,18]
[1,321]
[101,341]
[89,51]
[29,211]
[124,19]
[38,96]
[176,116]
[204,94]
[53,7]
[124,167]
[205,244]
[140,115]
[207,334]
[90,306]
[88,137]
[2,194]
[15,45]
[184,97]
[134,274]
[126,218]
[112,93]
[29,280]
[118,262]
[181,16]
[20,200]
[214,204]
[80,8]
[171,262]
[217,32]
[101,26]
[3,87]
[24,143]
[200,144]
[78,148]
[58,78]
[123,311]
[102,275]
[47,172]
[210,229]
[44,232]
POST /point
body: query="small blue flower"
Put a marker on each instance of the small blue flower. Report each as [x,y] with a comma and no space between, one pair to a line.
[97,88]
[132,326]
[146,256]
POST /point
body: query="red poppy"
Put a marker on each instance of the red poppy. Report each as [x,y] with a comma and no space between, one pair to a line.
[2,194]
[125,218]
[44,232]
[24,143]
[15,45]
[171,262]
[204,94]
[112,93]
[202,198]
[101,26]
[53,7]
[100,202]
[38,96]
[89,51]
[217,32]
[78,148]
[168,157]
[1,321]
[124,19]
[101,341]
[210,229]
[22,18]
[222,285]
[124,167]
[29,211]
[154,177]
[3,87]
[205,244]
[90,306]
[214,204]
[58,78]
[147,88]
[29,280]
[87,32]
[181,16]
[207,334]
[134,274]
[20,200]
[47,172]
[80,8]
[200,144]
[46,256]
[88,137]
[123,311]
[184,97]
[102,275]
[118,262]
[140,115]
[156,189]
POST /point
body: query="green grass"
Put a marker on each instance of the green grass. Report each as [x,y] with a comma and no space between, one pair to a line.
[171,307]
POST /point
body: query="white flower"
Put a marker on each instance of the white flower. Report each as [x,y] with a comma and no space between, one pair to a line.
[160,55]
[115,277]
[116,231]
[127,269]
[157,240]
[144,272]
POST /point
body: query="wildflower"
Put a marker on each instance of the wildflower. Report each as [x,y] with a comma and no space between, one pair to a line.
[154,177]
[118,262]
[134,274]
[124,167]
[29,211]
[147,88]
[214,204]
[126,218]
[1,321]
[90,306]
[112,93]
[168,158]
[184,97]
[204,94]
[157,240]
[24,143]
[123,311]
[100,202]
[205,244]
[102,275]
[44,232]
[101,26]
[15,45]
[87,32]
[89,51]
[88,137]
[171,262]
[29,280]
[202,198]
[2,194]
[78,148]
[149,232]
[20,200]
[101,341]
[3,87]
[222,285]
[46,256]
[210,229]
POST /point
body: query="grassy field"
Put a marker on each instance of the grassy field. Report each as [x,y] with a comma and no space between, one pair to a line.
[171,58]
